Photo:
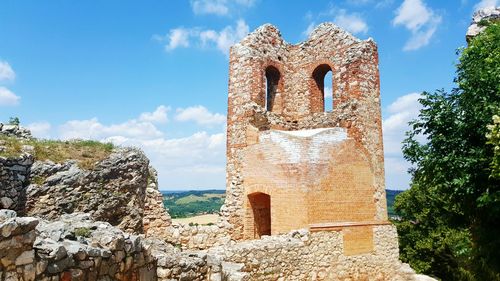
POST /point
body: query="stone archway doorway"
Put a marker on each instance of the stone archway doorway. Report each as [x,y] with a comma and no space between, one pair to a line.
[261,210]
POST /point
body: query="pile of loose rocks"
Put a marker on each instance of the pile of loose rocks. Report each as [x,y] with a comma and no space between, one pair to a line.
[15,131]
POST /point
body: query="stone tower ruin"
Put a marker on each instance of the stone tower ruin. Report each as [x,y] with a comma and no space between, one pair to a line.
[291,164]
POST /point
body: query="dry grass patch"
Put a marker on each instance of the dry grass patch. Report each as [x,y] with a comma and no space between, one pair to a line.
[86,152]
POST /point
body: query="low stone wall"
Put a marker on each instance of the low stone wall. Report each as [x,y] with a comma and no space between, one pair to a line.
[301,255]
[177,265]
[14,174]
[73,248]
[198,237]
[77,248]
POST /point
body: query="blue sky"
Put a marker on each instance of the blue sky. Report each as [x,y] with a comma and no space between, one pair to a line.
[154,74]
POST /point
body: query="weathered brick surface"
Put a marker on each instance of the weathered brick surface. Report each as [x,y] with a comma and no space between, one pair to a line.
[315,166]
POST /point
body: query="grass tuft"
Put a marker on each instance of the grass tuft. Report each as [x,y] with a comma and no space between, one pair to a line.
[86,152]
[83,232]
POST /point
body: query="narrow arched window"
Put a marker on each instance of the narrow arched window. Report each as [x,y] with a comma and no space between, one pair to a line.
[328,91]
[322,76]
[272,76]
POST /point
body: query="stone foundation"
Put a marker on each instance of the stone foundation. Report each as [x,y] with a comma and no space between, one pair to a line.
[301,255]
[77,248]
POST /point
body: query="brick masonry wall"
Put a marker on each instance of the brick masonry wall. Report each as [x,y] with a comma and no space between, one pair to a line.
[258,155]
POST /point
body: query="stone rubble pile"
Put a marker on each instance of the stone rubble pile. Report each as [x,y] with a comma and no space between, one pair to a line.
[487,14]
[15,131]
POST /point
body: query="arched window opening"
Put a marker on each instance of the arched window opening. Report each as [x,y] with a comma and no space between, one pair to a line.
[261,211]
[328,91]
[322,76]
[272,76]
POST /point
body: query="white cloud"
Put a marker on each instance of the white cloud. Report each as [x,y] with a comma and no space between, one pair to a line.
[384,4]
[178,37]
[413,14]
[8,98]
[200,115]
[225,38]
[140,128]
[309,29]
[328,92]
[359,2]
[157,116]
[221,40]
[400,112]
[353,22]
[194,161]
[420,39]
[247,3]
[407,102]
[379,4]
[218,7]
[6,72]
[486,4]
[420,20]
[93,129]
[396,173]
[40,129]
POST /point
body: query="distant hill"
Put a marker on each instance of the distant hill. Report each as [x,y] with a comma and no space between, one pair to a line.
[391,196]
[183,204]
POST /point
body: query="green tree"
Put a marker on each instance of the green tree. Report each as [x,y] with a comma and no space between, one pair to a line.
[494,139]
[450,216]
[14,121]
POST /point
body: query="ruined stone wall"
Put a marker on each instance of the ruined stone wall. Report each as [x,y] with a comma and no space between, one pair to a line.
[259,162]
[156,220]
[77,248]
[199,237]
[14,175]
[121,189]
[301,255]
[114,190]
[71,249]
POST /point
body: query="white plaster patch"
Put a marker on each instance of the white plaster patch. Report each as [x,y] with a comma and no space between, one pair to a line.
[307,133]
[315,140]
